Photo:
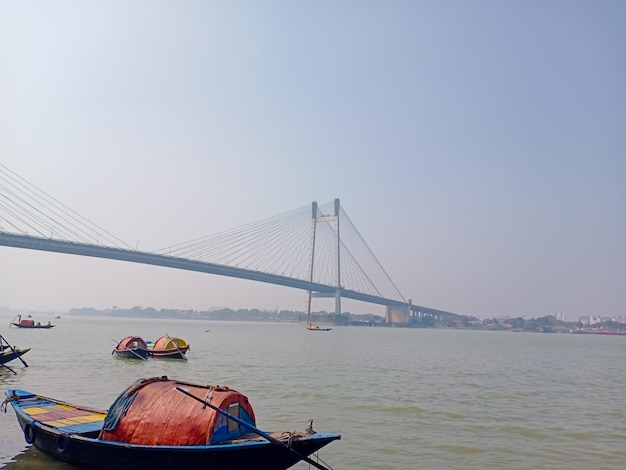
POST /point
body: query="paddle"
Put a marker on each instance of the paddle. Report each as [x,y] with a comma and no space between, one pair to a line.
[12,349]
[7,367]
[255,430]
[176,345]
[138,355]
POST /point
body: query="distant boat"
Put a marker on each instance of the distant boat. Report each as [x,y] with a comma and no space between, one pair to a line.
[167,347]
[162,423]
[317,328]
[132,347]
[57,316]
[30,323]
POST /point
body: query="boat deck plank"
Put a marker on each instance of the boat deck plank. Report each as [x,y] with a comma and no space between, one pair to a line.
[64,417]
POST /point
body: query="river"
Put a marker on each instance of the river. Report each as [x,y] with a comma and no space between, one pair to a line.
[401,398]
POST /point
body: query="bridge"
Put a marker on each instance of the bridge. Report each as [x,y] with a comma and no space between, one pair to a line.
[303,249]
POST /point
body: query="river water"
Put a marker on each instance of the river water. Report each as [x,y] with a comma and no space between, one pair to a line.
[401,398]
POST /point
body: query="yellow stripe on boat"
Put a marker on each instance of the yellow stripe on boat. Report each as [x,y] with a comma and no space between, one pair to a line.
[35,411]
[61,423]
[90,418]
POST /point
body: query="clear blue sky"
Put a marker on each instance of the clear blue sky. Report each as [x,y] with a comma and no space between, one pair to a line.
[478,146]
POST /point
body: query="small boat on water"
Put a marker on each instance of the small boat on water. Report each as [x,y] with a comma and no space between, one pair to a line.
[29,323]
[317,328]
[165,424]
[9,353]
[132,347]
[168,347]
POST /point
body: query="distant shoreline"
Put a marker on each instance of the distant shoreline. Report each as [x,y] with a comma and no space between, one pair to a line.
[546,324]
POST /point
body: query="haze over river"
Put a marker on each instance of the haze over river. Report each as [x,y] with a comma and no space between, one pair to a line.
[401,398]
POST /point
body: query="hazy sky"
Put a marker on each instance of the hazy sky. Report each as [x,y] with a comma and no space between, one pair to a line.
[478,146]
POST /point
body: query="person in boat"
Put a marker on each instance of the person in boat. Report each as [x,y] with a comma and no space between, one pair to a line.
[49,323]
[38,324]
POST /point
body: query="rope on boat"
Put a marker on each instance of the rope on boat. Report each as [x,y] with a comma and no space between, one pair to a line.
[7,400]
[293,436]
[319,459]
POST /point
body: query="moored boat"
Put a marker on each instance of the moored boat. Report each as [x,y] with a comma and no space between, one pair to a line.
[9,353]
[169,347]
[132,347]
[165,424]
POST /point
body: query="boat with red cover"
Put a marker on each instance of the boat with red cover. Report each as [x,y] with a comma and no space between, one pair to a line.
[165,424]
[132,347]
[30,323]
[317,328]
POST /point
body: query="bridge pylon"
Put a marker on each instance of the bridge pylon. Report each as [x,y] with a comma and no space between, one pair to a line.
[333,220]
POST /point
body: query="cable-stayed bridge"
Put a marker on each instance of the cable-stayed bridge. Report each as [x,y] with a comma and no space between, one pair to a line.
[316,248]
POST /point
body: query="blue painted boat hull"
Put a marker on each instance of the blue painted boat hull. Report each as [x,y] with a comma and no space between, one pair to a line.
[79,445]
[137,353]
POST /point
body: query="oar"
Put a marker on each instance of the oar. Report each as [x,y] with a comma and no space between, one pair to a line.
[7,367]
[182,354]
[12,349]
[138,355]
[255,430]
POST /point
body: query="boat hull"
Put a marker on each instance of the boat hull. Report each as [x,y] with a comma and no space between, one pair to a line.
[178,353]
[317,328]
[9,355]
[79,445]
[137,353]
[33,327]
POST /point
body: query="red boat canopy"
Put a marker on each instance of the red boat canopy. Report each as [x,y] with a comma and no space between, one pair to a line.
[27,322]
[153,412]
[132,342]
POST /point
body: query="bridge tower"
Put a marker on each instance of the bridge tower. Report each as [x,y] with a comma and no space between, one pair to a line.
[334,221]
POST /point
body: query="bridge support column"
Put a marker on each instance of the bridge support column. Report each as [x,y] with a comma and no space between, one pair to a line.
[338,302]
[395,315]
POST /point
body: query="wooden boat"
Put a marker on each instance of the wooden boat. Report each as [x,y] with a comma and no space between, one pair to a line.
[310,326]
[165,424]
[29,323]
[168,347]
[317,328]
[132,347]
[9,353]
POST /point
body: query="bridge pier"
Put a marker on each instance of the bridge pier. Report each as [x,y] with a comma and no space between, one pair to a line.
[395,315]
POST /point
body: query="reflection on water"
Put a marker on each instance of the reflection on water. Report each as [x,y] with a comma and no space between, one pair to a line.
[33,459]
[401,398]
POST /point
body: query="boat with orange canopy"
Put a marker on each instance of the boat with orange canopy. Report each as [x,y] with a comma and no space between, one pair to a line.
[132,347]
[168,347]
[165,424]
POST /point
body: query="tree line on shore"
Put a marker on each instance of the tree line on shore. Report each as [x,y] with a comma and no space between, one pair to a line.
[546,324]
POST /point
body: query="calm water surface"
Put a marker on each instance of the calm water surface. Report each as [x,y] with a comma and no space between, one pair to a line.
[401,398]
